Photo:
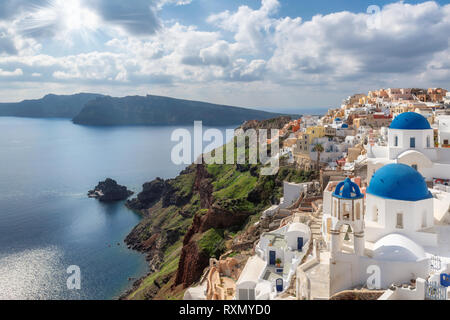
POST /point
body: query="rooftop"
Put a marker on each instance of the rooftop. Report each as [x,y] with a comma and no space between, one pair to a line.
[399,182]
[410,121]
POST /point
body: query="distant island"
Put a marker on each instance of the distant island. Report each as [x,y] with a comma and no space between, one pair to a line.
[156,110]
[50,106]
[98,110]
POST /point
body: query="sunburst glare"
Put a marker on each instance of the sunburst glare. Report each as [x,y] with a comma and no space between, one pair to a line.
[67,18]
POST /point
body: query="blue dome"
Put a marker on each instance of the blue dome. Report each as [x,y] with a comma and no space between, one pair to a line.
[347,189]
[410,121]
[337,119]
[399,182]
[345,125]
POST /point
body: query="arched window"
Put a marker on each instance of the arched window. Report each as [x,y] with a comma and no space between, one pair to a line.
[399,221]
[428,142]
[346,214]
[412,142]
[396,141]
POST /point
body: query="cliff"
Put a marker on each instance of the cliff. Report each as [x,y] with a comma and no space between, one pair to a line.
[156,110]
[198,215]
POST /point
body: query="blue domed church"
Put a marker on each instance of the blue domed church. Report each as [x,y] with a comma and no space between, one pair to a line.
[398,201]
[411,142]
[388,226]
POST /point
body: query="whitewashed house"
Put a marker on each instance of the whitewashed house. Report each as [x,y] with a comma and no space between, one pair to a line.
[411,142]
[269,272]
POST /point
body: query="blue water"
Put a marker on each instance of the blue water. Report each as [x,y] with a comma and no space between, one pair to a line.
[47,223]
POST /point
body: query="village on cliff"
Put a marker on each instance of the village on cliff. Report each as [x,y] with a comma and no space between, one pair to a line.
[376,225]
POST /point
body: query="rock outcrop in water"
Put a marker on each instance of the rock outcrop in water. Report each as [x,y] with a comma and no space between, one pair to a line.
[109,191]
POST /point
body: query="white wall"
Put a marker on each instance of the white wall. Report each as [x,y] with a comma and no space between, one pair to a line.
[406,293]
[414,213]
[404,142]
[291,194]
[350,271]
[291,238]
[441,206]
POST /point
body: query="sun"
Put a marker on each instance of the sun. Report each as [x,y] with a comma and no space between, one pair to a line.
[65,17]
[75,17]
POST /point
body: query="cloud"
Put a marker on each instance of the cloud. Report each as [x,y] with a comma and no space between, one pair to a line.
[7,45]
[343,46]
[10,8]
[136,17]
[162,3]
[250,27]
[245,49]
[15,73]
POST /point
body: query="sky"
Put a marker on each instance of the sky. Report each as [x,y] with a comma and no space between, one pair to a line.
[277,54]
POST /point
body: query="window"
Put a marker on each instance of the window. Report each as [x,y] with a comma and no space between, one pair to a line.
[428,142]
[375,214]
[346,211]
[446,142]
[414,166]
[396,141]
[412,142]
[399,221]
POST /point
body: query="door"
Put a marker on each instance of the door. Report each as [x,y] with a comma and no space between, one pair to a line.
[279,285]
[272,255]
[299,243]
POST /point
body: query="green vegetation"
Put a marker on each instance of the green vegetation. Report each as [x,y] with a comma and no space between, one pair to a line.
[235,186]
[212,243]
[184,185]
[235,189]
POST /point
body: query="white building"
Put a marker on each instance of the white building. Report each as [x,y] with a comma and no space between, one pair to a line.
[398,201]
[447,98]
[344,207]
[269,272]
[411,142]
[333,150]
[444,130]
[393,243]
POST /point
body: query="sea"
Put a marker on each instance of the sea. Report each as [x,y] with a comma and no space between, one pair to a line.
[55,242]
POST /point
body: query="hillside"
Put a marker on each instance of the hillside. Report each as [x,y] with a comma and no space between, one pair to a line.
[198,215]
[156,110]
[50,106]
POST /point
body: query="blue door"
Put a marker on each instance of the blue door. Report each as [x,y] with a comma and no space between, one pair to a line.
[272,258]
[279,284]
[445,280]
[299,244]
